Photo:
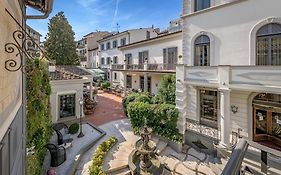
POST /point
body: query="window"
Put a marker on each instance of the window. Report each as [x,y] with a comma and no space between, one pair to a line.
[115,60]
[208,108]
[67,105]
[102,46]
[170,55]
[108,59]
[269,45]
[114,43]
[129,81]
[201,4]
[102,61]
[115,76]
[123,41]
[202,51]
[128,58]
[147,34]
[108,45]
[143,56]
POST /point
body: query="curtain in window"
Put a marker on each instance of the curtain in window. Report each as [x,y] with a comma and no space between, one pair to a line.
[269,45]
[202,51]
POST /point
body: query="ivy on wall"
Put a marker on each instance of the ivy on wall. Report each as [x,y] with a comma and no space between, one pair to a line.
[38,122]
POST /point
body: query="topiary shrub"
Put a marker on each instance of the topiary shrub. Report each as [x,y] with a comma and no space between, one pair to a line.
[135,97]
[137,111]
[96,167]
[73,129]
[167,90]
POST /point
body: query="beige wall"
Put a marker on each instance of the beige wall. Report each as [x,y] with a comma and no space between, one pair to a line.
[10,82]
[64,87]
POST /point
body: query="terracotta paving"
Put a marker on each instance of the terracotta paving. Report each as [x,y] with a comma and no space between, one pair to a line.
[109,108]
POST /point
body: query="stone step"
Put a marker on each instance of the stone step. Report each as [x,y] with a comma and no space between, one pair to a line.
[161,146]
[124,171]
[117,164]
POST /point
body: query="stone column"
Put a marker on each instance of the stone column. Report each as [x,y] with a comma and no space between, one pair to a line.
[225,124]
[91,90]
[125,83]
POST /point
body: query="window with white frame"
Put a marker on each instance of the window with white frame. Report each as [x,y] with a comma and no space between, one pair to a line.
[114,44]
[115,60]
[115,76]
[123,42]
[67,105]
[208,107]
[269,45]
[102,46]
[128,58]
[102,61]
[108,60]
[143,56]
[202,51]
[108,45]
[201,4]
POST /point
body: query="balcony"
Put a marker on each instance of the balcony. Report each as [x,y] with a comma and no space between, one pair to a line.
[236,77]
[145,67]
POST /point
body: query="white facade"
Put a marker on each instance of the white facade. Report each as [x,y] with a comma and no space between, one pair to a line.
[108,46]
[232,70]
[155,67]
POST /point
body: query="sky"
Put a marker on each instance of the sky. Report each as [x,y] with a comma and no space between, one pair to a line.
[86,16]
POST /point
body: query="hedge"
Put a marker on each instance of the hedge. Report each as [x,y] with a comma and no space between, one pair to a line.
[136,97]
[105,85]
[96,167]
[73,128]
[162,118]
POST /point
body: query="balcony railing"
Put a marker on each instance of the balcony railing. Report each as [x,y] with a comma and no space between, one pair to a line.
[145,67]
[117,66]
[161,67]
[135,66]
[195,126]
[234,76]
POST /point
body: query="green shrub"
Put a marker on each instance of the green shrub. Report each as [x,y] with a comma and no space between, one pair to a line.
[135,97]
[38,118]
[167,90]
[162,118]
[105,85]
[73,129]
[137,111]
[96,167]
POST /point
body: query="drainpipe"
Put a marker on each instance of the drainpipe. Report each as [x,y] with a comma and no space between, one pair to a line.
[47,10]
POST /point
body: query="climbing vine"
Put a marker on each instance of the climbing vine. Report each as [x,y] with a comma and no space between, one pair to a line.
[38,122]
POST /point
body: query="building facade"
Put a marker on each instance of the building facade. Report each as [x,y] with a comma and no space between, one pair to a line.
[108,46]
[229,82]
[145,62]
[87,45]
[13,44]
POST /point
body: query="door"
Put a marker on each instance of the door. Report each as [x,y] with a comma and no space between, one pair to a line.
[267,125]
[142,83]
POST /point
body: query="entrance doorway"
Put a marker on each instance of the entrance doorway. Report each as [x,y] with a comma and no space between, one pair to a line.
[267,119]
[148,83]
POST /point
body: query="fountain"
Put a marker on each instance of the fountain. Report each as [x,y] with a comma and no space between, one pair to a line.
[144,158]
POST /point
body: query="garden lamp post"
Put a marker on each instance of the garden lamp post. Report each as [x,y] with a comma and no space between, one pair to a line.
[81,115]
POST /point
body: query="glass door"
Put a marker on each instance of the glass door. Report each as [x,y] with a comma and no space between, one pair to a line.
[260,124]
[276,127]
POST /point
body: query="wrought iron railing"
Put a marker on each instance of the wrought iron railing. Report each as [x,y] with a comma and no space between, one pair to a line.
[117,66]
[20,47]
[135,66]
[196,127]
[161,67]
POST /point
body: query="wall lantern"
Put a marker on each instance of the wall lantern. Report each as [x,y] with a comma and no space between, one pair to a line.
[234,109]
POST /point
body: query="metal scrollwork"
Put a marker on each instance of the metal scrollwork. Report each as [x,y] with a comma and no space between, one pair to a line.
[20,47]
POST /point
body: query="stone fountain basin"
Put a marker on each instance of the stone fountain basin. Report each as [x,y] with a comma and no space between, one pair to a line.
[151,147]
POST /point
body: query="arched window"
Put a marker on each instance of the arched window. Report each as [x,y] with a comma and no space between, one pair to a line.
[269,45]
[202,51]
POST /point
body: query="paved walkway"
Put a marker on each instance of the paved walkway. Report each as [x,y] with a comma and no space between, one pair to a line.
[109,108]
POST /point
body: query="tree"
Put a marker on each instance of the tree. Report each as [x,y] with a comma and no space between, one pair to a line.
[167,90]
[60,44]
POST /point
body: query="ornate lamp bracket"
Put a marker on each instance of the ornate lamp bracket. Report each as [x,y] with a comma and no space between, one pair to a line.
[22,46]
